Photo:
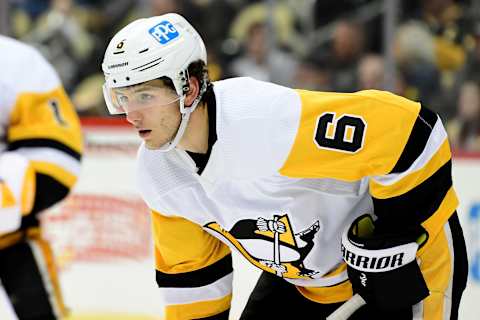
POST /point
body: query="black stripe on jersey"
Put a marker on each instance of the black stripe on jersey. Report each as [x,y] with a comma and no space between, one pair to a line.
[48,191]
[44,143]
[417,140]
[201,159]
[460,266]
[197,278]
[220,316]
[416,205]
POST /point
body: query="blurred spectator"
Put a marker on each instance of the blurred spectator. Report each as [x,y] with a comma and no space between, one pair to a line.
[23,13]
[103,19]
[281,20]
[264,62]
[63,40]
[217,18]
[464,129]
[265,39]
[432,49]
[187,8]
[344,54]
[369,12]
[159,7]
[450,27]
[329,11]
[31,8]
[312,74]
[471,69]
[370,72]
[414,44]
[415,56]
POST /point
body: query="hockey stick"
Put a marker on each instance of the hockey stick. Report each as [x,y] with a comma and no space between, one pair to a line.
[348,308]
[276,248]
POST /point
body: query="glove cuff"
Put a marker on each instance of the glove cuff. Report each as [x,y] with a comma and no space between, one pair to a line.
[380,260]
[390,289]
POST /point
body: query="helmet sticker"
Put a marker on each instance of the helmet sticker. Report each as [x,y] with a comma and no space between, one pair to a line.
[164,32]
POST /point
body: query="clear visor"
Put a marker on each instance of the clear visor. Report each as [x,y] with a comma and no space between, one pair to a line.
[127,99]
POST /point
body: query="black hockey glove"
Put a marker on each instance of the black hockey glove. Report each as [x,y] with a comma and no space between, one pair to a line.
[382,268]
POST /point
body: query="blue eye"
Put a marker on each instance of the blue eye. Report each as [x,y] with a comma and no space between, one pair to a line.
[122,99]
[145,97]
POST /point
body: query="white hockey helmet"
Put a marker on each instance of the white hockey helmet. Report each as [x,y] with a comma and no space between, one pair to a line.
[151,48]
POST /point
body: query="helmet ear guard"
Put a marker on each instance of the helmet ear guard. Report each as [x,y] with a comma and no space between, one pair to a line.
[186,88]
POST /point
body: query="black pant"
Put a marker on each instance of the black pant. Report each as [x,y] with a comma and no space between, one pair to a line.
[23,283]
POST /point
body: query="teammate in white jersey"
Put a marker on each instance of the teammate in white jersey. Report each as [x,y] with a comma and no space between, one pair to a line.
[327,193]
[40,150]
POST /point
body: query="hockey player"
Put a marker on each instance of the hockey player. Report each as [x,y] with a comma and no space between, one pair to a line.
[39,163]
[327,193]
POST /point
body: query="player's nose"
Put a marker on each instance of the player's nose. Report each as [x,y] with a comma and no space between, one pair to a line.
[134,117]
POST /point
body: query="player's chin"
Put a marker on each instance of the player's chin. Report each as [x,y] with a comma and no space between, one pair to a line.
[153,144]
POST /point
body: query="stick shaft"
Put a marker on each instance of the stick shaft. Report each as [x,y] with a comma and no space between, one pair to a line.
[347,309]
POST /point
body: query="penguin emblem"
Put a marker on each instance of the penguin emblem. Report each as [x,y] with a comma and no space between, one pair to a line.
[271,244]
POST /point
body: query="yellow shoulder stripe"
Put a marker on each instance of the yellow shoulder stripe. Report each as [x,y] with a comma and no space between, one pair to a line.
[388,121]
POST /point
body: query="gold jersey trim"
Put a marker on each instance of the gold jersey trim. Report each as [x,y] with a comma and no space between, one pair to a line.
[198,310]
[66,178]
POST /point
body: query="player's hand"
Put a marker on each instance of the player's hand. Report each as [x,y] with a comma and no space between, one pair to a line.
[383,268]
[271,225]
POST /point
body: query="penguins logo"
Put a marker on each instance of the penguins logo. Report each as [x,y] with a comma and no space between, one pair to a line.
[271,245]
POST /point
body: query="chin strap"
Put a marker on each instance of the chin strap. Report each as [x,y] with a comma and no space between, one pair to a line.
[185,111]
[181,130]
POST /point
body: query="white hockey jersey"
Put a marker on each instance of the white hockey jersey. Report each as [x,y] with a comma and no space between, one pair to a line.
[290,170]
[40,139]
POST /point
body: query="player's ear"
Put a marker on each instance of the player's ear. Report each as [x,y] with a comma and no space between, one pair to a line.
[192,93]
